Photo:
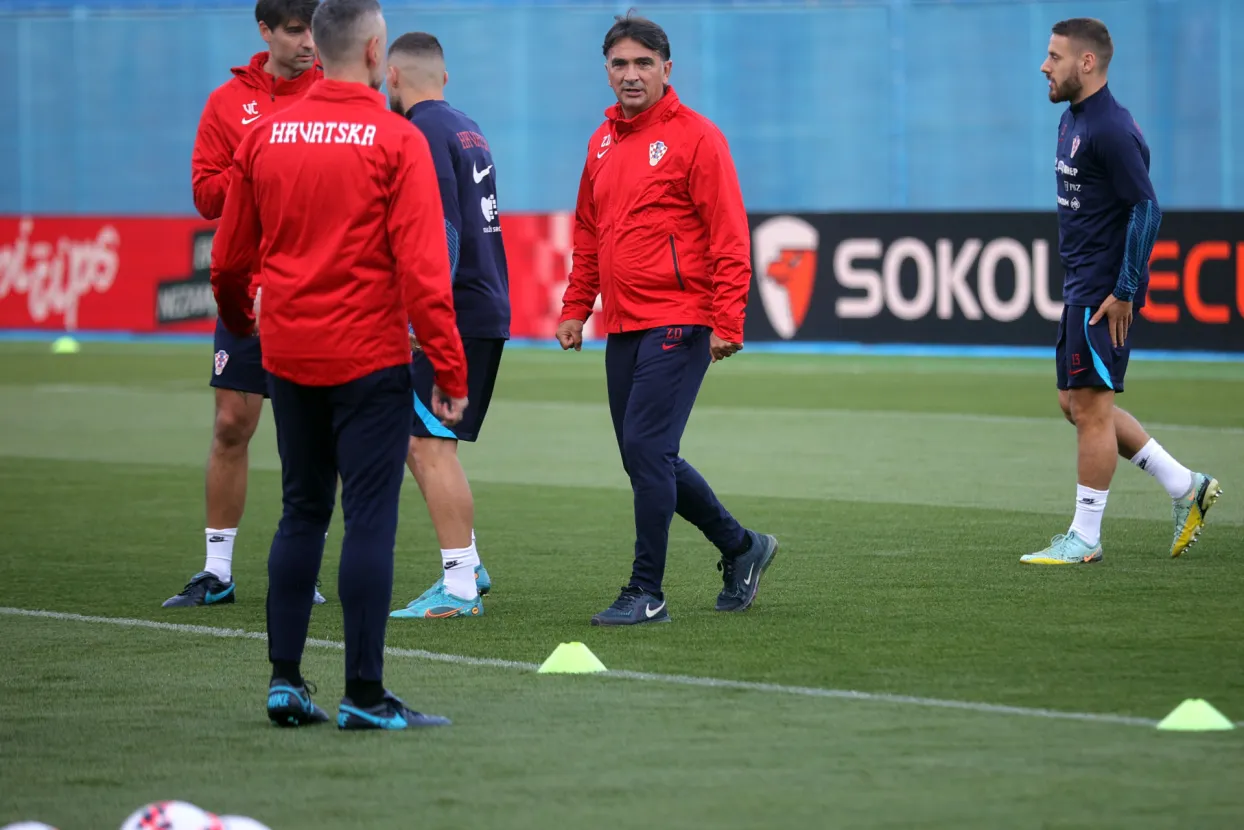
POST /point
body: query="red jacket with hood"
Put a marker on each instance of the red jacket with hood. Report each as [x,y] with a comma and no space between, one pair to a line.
[231,111]
[660,230]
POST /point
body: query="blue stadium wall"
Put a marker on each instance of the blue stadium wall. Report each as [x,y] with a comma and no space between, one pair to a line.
[883,105]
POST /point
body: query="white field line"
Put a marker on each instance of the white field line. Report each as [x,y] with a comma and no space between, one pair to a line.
[674,679]
[176,387]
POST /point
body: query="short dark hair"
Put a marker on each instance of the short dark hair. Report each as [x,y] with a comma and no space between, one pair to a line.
[418,43]
[276,13]
[334,24]
[639,29]
[1088,31]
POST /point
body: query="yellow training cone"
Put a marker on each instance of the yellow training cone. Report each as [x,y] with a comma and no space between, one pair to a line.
[65,345]
[1195,715]
[572,658]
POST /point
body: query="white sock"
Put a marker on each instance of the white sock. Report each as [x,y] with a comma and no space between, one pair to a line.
[220,552]
[1090,505]
[1157,462]
[474,557]
[459,572]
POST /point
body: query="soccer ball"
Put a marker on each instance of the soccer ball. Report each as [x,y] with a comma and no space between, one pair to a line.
[242,823]
[28,825]
[171,815]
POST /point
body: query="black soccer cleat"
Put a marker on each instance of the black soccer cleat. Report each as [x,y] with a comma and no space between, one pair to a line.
[740,576]
[290,705]
[204,589]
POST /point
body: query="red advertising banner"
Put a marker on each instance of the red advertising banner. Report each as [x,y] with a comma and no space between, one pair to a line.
[100,274]
[148,275]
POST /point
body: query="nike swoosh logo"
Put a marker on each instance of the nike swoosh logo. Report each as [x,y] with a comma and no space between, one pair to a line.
[246,121]
[390,722]
[209,597]
[667,346]
[750,570]
[1078,371]
[479,177]
[601,153]
[652,612]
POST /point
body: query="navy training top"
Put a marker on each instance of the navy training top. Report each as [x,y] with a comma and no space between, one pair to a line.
[1108,213]
[468,183]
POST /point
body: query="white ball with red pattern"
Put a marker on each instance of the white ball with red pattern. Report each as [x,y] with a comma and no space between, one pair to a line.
[171,815]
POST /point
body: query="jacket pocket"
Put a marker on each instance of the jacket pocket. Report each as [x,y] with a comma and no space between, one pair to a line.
[674,256]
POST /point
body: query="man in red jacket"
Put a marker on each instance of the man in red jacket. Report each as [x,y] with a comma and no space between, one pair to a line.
[272,80]
[333,203]
[661,236]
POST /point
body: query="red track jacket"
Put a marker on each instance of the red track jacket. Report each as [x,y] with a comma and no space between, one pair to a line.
[660,229]
[230,114]
[334,203]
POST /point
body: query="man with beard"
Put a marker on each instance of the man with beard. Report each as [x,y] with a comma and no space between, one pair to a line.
[1108,218]
[468,190]
[272,80]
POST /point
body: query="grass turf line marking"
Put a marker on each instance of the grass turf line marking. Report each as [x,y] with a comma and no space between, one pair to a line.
[671,679]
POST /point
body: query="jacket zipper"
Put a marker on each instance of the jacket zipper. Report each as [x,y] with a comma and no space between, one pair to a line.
[677,273]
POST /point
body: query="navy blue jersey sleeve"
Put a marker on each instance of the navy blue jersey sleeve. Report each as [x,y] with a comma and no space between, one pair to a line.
[1142,233]
[442,158]
[1123,158]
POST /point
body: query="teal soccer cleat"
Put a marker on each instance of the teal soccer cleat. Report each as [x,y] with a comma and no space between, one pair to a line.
[390,713]
[438,604]
[483,584]
[290,705]
[1067,549]
[204,588]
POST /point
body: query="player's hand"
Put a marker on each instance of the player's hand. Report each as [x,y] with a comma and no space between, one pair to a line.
[1118,315]
[448,410]
[414,343]
[255,311]
[722,349]
[570,335]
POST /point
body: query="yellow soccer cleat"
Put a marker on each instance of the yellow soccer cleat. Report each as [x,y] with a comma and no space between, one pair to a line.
[1189,511]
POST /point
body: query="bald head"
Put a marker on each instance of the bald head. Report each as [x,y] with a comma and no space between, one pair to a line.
[416,70]
[350,36]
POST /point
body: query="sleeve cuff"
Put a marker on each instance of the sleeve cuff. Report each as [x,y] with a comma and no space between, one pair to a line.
[450,387]
[570,314]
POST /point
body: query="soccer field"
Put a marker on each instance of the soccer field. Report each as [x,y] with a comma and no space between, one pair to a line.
[903,492]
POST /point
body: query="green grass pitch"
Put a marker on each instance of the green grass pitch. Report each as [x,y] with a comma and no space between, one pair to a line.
[903,491]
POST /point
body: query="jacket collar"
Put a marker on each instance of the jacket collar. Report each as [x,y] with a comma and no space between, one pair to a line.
[662,110]
[1094,102]
[254,76]
[346,92]
[431,103]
